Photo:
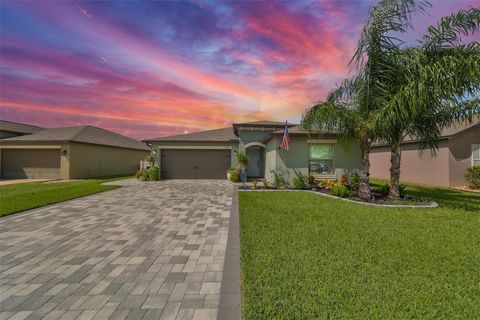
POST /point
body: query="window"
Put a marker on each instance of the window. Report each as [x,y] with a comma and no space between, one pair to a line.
[322,156]
[475,155]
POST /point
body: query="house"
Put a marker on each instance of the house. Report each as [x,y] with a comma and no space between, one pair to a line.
[209,154]
[458,150]
[70,153]
[10,129]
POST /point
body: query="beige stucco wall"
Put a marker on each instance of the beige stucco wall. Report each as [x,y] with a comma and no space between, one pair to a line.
[417,167]
[88,160]
[460,156]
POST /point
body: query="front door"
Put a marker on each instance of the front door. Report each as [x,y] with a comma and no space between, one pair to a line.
[254,161]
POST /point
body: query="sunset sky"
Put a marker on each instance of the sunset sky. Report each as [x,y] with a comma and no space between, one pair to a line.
[149,69]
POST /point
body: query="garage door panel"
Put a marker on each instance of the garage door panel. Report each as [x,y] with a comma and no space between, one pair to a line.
[32,164]
[194,163]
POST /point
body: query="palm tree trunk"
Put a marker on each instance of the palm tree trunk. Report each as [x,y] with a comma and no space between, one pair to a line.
[364,191]
[395,158]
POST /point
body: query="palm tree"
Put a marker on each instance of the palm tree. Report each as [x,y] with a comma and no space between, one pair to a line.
[352,108]
[346,114]
[426,92]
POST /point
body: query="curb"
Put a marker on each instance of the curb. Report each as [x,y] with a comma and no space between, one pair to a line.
[230,307]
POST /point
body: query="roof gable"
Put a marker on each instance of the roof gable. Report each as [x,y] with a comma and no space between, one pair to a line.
[82,134]
[216,135]
[18,127]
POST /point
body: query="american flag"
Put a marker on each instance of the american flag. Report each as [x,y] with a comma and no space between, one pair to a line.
[285,138]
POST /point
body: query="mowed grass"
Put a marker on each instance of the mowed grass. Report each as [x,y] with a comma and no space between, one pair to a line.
[24,196]
[306,256]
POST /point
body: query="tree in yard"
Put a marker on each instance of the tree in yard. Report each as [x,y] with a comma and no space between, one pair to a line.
[400,91]
[352,109]
[426,87]
[346,114]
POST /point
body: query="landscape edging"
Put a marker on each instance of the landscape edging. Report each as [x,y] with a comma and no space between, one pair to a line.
[432,205]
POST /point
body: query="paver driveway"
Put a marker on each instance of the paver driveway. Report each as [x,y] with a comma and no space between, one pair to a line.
[145,251]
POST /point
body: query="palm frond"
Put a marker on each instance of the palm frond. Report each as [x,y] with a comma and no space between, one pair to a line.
[449,30]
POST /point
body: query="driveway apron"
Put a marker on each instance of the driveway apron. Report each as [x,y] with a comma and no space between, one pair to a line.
[149,250]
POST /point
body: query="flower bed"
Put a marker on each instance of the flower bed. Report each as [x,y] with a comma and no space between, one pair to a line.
[345,190]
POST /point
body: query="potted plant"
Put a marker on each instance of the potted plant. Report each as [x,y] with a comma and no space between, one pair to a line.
[229,173]
[242,159]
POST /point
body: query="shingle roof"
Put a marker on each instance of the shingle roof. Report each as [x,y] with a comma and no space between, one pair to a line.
[298,130]
[217,135]
[260,123]
[448,132]
[18,127]
[83,134]
[459,127]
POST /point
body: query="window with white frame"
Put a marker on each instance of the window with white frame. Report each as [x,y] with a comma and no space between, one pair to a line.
[321,158]
[475,155]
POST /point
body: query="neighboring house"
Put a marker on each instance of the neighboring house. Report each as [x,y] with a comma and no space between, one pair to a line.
[459,149]
[70,153]
[208,154]
[10,129]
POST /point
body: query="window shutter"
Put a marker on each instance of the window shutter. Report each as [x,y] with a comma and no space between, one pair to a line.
[475,154]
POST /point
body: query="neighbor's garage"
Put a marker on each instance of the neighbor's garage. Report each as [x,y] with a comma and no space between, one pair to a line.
[30,163]
[194,164]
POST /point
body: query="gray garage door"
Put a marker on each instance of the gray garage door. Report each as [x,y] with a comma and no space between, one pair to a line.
[194,164]
[33,164]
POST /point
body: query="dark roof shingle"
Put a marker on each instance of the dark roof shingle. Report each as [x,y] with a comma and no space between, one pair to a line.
[18,127]
[216,135]
[83,134]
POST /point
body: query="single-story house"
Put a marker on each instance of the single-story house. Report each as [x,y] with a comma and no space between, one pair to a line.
[209,154]
[10,129]
[458,150]
[70,153]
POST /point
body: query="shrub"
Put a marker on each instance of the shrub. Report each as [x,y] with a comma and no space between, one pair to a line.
[354,182]
[143,177]
[150,158]
[255,182]
[242,158]
[138,174]
[154,173]
[266,184]
[300,181]
[344,180]
[312,182]
[279,181]
[327,183]
[473,177]
[234,176]
[385,189]
[402,187]
[340,190]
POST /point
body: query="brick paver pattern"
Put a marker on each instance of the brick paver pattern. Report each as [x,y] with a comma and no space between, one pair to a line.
[151,250]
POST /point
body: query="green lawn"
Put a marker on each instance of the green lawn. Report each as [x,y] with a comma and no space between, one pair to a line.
[24,196]
[306,256]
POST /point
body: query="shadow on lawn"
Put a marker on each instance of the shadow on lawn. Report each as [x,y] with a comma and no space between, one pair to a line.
[450,198]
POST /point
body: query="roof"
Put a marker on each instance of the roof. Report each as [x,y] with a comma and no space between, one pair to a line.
[216,135]
[459,127]
[260,124]
[82,134]
[298,130]
[18,127]
[447,132]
